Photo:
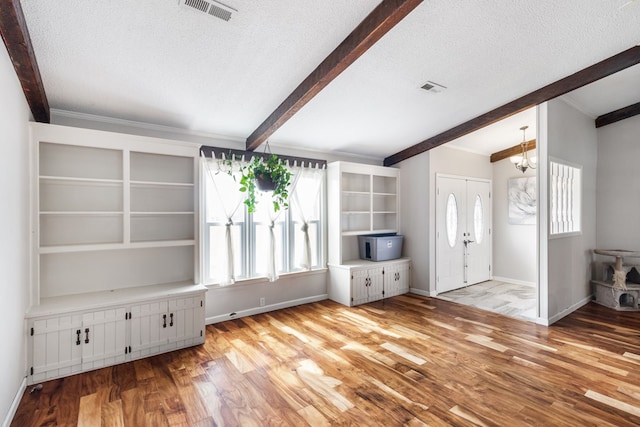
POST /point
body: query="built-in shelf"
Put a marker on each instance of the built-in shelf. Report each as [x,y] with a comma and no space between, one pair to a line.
[363,199]
[114,250]
[104,200]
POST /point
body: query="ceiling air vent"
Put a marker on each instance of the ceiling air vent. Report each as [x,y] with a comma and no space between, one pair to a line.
[210,7]
[433,87]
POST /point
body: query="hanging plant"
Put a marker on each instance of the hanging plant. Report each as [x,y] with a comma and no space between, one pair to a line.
[271,175]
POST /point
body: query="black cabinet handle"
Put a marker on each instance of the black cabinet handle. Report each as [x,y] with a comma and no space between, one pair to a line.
[86,339]
[171,317]
[164,320]
[78,332]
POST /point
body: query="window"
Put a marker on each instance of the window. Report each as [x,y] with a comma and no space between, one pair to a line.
[565,198]
[238,245]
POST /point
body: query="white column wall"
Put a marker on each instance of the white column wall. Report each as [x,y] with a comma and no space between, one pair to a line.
[570,136]
[14,234]
[414,218]
[618,186]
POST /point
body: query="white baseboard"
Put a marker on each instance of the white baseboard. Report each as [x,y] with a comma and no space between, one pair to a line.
[514,281]
[15,403]
[569,310]
[265,309]
[422,292]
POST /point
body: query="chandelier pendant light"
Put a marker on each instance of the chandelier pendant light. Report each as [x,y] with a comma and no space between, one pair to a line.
[523,162]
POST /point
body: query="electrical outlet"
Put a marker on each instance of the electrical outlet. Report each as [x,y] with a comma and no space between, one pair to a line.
[261,301]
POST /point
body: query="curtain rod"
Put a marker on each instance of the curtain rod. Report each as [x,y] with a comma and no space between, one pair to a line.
[219,152]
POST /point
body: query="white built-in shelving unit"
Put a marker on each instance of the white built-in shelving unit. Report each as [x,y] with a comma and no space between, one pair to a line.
[363,199]
[114,249]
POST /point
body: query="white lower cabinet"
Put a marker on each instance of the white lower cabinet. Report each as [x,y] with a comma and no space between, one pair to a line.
[56,347]
[359,282]
[396,279]
[367,284]
[62,344]
[103,338]
[65,345]
[166,325]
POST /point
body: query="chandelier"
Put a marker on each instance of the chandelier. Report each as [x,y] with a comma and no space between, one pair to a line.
[523,162]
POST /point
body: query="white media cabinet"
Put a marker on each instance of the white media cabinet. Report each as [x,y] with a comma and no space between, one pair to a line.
[115,221]
[363,199]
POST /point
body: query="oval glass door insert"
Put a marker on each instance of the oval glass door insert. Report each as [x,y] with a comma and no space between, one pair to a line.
[451,220]
[478,219]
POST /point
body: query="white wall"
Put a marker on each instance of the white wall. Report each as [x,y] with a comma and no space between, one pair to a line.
[450,161]
[570,136]
[618,185]
[14,233]
[514,246]
[414,215]
[418,199]
[243,298]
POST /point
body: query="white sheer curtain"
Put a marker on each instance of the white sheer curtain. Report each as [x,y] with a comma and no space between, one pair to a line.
[266,215]
[224,202]
[305,205]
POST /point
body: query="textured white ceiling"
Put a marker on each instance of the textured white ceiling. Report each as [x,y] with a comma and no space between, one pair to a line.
[155,62]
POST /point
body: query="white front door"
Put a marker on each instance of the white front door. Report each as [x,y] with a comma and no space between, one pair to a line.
[463,235]
[478,231]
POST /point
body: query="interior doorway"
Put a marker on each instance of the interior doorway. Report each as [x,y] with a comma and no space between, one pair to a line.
[463,232]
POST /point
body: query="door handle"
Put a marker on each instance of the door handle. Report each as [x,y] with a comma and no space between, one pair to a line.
[164,320]
[466,242]
[86,340]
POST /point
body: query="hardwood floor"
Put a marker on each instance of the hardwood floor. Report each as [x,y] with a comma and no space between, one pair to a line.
[409,360]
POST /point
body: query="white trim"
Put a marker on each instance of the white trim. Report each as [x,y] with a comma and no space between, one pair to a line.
[140,125]
[198,134]
[265,309]
[541,321]
[462,177]
[342,154]
[514,281]
[14,405]
[422,292]
[578,106]
[264,279]
[570,309]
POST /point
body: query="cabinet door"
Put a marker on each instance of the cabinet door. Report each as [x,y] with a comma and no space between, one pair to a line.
[404,278]
[376,283]
[396,279]
[187,321]
[149,323]
[103,338]
[359,287]
[55,348]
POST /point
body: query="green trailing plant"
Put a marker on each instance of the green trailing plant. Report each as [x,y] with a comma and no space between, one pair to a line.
[269,175]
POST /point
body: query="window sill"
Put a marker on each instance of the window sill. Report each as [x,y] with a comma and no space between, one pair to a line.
[264,279]
[562,235]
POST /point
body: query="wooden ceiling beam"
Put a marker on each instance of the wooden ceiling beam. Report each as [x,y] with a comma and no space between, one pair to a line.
[617,115]
[15,35]
[512,151]
[583,77]
[382,19]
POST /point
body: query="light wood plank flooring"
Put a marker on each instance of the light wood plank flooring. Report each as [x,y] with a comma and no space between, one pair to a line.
[409,360]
